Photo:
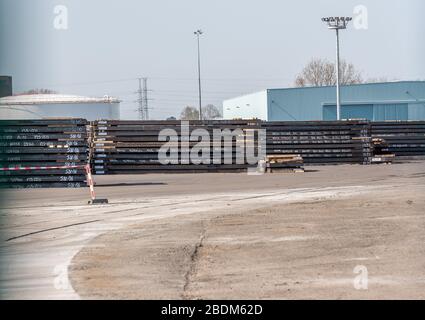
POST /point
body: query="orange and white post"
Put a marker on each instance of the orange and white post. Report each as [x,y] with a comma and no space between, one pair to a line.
[90,183]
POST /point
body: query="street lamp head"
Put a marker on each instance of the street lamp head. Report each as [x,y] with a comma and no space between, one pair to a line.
[337,22]
[198,32]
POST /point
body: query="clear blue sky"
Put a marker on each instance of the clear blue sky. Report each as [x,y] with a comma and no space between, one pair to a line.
[248,45]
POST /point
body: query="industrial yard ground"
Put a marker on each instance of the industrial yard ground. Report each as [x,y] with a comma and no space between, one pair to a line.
[221,236]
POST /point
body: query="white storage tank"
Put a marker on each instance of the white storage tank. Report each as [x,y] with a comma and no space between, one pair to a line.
[39,106]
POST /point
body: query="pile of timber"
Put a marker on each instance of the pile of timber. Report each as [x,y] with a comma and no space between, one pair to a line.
[284,162]
[321,142]
[404,138]
[380,155]
[383,159]
[33,145]
[132,147]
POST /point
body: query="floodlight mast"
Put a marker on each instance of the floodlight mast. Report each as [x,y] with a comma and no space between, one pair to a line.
[337,23]
[198,33]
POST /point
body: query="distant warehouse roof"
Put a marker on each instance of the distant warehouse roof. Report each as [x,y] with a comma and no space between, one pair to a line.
[53,99]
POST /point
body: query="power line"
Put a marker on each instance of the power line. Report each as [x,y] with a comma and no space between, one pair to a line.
[182,93]
[86,83]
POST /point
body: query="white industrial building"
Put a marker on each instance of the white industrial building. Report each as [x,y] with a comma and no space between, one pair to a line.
[41,106]
[399,100]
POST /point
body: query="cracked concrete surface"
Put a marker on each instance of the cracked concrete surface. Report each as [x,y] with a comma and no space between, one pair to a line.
[46,241]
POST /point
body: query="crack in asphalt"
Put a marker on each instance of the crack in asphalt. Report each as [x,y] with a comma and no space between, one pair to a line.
[194,259]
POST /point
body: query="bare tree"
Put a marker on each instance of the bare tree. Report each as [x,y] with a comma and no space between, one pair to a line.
[189,113]
[321,72]
[210,112]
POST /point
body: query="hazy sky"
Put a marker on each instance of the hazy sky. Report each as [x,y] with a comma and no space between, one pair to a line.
[247,46]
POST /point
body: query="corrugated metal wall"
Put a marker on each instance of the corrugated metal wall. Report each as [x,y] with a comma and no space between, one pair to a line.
[396,111]
[363,111]
[378,101]
[373,112]
[416,111]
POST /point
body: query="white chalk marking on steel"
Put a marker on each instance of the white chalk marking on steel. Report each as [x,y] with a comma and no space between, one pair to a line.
[41,168]
[89,177]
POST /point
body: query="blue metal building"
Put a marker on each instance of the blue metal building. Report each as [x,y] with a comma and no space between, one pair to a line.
[404,100]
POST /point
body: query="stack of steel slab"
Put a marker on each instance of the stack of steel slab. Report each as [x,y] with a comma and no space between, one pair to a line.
[321,142]
[284,162]
[404,138]
[28,148]
[126,147]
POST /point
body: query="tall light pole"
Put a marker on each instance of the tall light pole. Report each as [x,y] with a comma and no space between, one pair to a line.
[337,23]
[198,33]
